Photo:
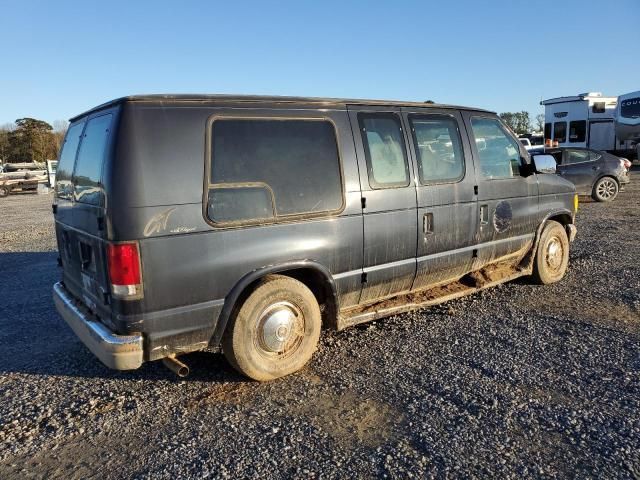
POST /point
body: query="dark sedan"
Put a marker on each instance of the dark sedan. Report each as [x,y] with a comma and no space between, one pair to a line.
[593,172]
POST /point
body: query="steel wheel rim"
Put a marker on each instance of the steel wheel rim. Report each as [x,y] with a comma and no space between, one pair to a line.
[606,189]
[280,330]
[554,253]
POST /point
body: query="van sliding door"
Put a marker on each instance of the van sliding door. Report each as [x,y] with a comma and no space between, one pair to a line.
[447,207]
[388,201]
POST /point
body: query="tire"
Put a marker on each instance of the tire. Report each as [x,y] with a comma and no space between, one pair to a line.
[275,331]
[552,254]
[605,189]
[4,191]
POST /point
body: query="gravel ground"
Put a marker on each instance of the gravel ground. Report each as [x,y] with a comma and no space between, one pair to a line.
[517,381]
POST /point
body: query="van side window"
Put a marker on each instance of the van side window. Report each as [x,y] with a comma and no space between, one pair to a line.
[560,132]
[263,169]
[385,150]
[87,174]
[438,146]
[498,151]
[67,159]
[577,131]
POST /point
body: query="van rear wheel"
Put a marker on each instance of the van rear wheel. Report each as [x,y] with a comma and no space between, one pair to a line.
[275,331]
[552,255]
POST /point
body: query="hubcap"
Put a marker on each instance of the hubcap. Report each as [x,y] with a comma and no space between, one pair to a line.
[606,189]
[554,253]
[280,329]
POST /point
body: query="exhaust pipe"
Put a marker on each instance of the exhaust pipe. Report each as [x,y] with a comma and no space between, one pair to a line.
[176,366]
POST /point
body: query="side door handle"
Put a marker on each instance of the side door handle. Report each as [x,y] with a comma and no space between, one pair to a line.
[484,214]
[427,223]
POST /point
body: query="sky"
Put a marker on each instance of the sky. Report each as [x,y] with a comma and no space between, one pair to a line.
[62,58]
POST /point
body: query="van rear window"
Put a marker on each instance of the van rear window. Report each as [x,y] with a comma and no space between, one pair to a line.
[87,175]
[265,169]
[67,160]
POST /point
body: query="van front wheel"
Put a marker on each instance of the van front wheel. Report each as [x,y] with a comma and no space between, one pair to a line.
[552,256]
[275,331]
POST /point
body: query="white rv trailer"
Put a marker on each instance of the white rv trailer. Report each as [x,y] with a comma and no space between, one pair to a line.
[628,120]
[584,120]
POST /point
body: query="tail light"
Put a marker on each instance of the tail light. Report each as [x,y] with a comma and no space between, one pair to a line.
[626,163]
[124,270]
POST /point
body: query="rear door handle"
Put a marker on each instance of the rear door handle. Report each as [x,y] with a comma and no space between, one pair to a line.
[427,223]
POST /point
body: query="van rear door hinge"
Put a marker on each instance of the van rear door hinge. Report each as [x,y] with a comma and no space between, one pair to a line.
[363,278]
[475,189]
[363,202]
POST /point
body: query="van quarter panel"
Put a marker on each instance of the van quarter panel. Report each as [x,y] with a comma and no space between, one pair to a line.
[188,262]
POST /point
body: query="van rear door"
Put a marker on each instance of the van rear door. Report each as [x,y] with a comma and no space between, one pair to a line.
[80,208]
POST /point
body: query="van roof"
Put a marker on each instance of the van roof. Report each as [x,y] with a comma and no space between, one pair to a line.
[213,98]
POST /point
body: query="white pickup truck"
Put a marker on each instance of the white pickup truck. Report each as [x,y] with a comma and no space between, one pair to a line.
[532,141]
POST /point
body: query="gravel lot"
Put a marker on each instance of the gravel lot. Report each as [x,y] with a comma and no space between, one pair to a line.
[518,381]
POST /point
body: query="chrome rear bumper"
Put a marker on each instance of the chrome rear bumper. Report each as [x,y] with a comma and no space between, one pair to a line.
[120,352]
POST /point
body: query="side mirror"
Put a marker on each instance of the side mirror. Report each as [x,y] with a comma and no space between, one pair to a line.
[544,163]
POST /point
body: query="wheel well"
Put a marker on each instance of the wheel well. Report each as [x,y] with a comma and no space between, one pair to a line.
[321,289]
[563,219]
[315,281]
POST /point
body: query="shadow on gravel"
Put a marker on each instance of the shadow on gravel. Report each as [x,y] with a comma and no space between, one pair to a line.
[35,340]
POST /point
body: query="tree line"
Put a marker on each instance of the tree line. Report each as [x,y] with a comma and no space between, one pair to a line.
[520,122]
[31,140]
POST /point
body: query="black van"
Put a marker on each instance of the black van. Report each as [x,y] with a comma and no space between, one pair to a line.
[248,224]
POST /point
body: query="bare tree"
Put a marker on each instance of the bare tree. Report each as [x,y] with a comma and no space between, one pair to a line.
[540,122]
[59,131]
[60,125]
